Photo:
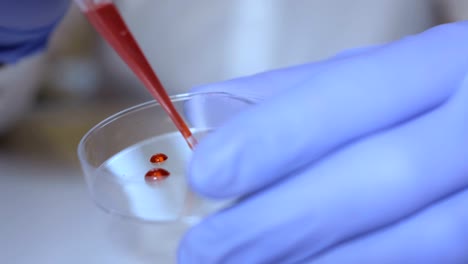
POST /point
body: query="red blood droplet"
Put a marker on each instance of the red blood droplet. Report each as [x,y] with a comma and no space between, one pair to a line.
[156,175]
[158,158]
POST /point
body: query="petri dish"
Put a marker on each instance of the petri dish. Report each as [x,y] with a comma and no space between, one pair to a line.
[115,157]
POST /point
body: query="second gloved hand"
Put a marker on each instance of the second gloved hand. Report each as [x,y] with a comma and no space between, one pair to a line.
[356,159]
[25,26]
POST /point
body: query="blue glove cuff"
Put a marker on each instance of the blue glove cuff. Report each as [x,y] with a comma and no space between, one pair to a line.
[16,44]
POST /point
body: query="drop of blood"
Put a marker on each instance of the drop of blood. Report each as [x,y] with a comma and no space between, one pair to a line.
[158,158]
[156,175]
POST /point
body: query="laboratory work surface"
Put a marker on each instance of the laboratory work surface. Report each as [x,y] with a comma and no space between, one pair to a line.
[47,215]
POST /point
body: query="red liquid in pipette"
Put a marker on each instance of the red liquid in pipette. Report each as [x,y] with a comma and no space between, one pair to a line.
[110,24]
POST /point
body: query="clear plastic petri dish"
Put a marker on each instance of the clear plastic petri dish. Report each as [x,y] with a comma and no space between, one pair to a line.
[115,156]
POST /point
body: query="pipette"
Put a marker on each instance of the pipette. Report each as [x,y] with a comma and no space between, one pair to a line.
[108,22]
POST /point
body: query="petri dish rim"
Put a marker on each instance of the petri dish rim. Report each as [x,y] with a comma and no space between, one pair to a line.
[145,105]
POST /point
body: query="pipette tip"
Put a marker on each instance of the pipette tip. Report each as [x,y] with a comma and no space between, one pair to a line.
[191,141]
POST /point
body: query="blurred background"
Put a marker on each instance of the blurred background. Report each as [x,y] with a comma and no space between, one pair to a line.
[50,100]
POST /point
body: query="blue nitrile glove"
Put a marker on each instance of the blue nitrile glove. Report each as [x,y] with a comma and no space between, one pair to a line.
[25,26]
[362,158]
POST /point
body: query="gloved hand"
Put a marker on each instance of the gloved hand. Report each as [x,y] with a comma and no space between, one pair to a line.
[361,158]
[25,26]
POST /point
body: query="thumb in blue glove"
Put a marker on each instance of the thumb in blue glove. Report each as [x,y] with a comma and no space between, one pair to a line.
[339,149]
[26,25]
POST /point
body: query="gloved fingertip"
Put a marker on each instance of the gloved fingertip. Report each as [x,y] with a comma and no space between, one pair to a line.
[358,51]
[183,255]
[224,86]
[199,245]
[185,252]
[209,168]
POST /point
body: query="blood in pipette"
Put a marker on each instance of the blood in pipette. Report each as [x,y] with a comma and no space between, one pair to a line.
[158,158]
[156,174]
[109,23]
